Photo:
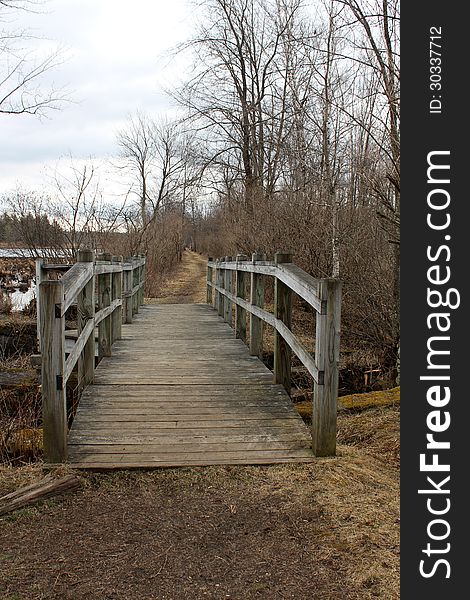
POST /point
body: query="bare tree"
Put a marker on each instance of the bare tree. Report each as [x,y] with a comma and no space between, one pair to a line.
[21,71]
[378,49]
[75,216]
[150,154]
[236,97]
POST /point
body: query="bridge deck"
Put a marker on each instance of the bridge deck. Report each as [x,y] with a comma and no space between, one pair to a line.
[180,390]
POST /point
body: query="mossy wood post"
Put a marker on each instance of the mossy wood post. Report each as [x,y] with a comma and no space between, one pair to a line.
[85,312]
[257,299]
[326,358]
[104,300]
[228,287]
[221,298]
[240,313]
[127,293]
[117,295]
[283,312]
[209,280]
[54,405]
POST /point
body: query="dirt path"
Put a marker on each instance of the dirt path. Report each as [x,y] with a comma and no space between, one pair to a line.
[322,531]
[187,285]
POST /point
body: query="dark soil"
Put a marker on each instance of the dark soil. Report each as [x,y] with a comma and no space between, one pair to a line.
[219,532]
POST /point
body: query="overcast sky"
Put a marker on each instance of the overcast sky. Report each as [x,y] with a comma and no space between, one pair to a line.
[118,62]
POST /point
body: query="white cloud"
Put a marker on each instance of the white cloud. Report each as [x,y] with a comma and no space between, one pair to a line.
[118,63]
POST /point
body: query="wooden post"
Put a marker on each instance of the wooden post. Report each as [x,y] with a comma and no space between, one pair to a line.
[209,280]
[240,313]
[283,312]
[104,300]
[86,311]
[325,392]
[221,300]
[257,299]
[215,279]
[40,276]
[135,282]
[142,280]
[228,287]
[54,404]
[127,298]
[117,295]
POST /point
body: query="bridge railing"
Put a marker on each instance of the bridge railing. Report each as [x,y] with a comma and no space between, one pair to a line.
[107,292]
[227,280]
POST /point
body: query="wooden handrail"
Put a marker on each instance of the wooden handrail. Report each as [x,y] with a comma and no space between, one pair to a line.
[120,287]
[324,295]
[74,280]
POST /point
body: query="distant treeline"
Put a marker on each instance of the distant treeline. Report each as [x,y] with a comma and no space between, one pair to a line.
[40,229]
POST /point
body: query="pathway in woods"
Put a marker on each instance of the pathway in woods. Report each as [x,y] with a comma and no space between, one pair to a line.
[187,285]
[327,530]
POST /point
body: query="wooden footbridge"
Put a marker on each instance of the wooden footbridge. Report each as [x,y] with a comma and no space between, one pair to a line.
[175,385]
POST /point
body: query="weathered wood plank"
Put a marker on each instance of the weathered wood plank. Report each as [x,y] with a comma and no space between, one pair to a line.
[201,455]
[177,392]
[169,447]
[142,463]
[74,280]
[197,436]
[145,425]
[86,334]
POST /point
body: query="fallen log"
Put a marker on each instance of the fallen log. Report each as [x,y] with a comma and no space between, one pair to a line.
[46,488]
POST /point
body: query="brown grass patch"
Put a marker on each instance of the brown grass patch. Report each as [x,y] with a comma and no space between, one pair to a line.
[187,284]
[370,421]
[376,430]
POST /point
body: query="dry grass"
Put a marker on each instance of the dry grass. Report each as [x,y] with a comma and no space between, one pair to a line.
[327,530]
[187,284]
[20,402]
[370,421]
[376,399]
[375,430]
